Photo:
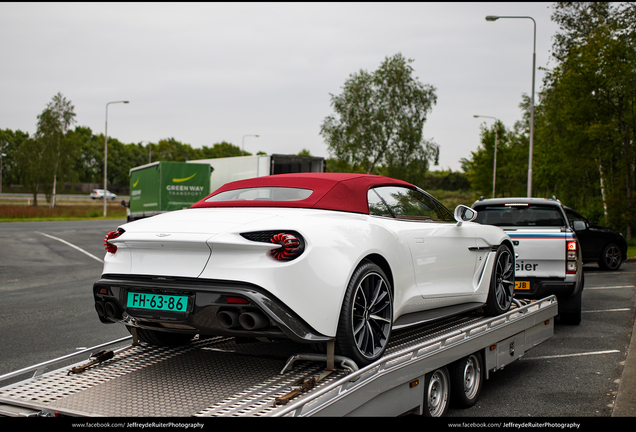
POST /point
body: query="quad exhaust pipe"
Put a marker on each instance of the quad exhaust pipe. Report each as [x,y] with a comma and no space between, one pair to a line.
[230,319]
[108,309]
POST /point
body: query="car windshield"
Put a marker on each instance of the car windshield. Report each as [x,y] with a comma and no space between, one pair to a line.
[262,194]
[519,215]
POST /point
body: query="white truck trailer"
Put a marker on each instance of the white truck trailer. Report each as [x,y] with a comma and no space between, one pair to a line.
[422,369]
[225,170]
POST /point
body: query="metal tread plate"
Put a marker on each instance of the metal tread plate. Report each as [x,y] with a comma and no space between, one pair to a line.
[205,378]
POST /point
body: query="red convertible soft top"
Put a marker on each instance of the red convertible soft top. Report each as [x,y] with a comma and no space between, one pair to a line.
[331,191]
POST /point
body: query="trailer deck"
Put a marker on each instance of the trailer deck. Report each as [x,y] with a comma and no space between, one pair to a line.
[221,377]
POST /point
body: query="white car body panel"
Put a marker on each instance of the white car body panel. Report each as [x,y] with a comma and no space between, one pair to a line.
[428,260]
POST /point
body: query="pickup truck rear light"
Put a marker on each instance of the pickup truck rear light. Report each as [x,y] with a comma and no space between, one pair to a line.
[572,257]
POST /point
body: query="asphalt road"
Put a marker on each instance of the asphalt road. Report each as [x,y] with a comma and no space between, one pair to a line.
[46,290]
[47,312]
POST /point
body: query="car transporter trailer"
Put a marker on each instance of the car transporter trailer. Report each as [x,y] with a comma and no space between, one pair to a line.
[222,376]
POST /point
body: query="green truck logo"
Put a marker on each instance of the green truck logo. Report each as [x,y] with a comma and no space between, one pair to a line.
[177,180]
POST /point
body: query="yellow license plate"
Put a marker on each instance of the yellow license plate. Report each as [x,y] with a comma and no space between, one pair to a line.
[522,285]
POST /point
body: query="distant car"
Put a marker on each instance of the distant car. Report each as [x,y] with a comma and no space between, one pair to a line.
[602,245]
[315,257]
[99,194]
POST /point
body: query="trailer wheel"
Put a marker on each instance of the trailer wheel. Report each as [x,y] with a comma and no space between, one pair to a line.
[502,283]
[160,338]
[366,316]
[467,377]
[437,391]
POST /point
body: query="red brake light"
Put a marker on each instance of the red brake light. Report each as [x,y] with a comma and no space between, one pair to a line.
[290,247]
[516,204]
[292,243]
[111,235]
[572,260]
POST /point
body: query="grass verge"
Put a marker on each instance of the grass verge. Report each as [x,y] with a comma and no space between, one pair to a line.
[22,213]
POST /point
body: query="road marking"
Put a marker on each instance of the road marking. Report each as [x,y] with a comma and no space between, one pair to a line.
[608,273]
[614,287]
[73,246]
[572,355]
[608,310]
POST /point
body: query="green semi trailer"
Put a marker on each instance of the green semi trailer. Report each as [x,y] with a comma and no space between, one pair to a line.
[166,186]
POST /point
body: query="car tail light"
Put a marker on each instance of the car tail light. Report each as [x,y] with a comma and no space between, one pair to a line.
[290,246]
[112,235]
[572,257]
[292,243]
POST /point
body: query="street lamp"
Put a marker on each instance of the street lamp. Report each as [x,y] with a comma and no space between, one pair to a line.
[1,156]
[243,145]
[494,164]
[534,60]
[106,152]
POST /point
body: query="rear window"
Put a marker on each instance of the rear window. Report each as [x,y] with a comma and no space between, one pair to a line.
[262,194]
[520,216]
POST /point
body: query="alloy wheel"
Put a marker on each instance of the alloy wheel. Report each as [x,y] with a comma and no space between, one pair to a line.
[371,315]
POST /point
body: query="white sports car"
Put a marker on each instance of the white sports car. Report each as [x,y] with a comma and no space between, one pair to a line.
[314,257]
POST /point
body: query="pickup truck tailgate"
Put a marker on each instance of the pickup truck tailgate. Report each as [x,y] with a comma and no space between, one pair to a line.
[541,253]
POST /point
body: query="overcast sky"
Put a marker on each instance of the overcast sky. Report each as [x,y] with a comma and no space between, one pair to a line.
[203,73]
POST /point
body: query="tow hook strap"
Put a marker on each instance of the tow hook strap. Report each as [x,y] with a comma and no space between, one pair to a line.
[95,359]
[102,356]
[301,386]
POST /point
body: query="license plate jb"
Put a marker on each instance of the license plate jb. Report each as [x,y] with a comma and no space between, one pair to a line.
[157,302]
[522,285]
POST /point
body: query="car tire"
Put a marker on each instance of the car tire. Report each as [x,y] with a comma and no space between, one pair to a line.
[611,257]
[502,283]
[570,307]
[437,391]
[466,378]
[160,338]
[366,316]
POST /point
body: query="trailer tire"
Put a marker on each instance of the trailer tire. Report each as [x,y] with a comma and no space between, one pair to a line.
[159,338]
[502,283]
[467,378]
[437,390]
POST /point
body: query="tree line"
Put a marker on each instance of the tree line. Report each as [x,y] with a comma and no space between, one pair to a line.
[57,153]
[585,121]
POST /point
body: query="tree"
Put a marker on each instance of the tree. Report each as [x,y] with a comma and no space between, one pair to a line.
[378,121]
[52,126]
[512,160]
[10,143]
[587,132]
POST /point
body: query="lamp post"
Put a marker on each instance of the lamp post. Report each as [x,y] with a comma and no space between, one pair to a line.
[1,156]
[494,163]
[534,60]
[106,152]
[243,144]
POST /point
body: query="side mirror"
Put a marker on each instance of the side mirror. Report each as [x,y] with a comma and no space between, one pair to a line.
[579,225]
[464,214]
